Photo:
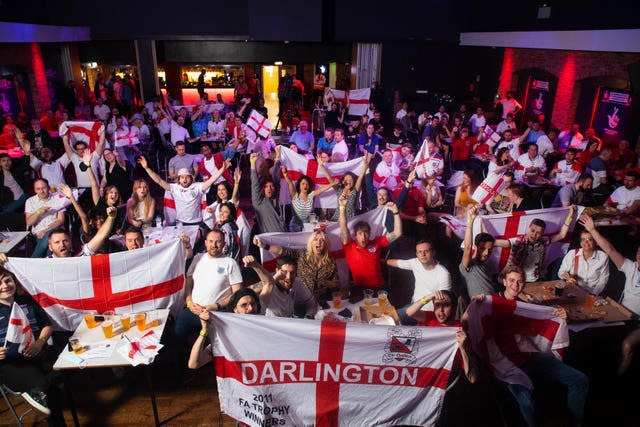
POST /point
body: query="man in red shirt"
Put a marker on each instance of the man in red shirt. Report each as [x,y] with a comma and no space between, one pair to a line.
[462,149]
[363,255]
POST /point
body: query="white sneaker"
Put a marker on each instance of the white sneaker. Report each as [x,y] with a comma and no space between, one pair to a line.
[37,399]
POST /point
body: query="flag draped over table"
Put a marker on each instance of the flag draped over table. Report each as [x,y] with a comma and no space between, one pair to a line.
[142,279]
[374,218]
[89,132]
[505,226]
[19,329]
[259,123]
[357,100]
[503,331]
[298,165]
[295,372]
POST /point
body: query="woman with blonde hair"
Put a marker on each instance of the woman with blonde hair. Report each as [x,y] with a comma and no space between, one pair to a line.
[141,207]
[316,269]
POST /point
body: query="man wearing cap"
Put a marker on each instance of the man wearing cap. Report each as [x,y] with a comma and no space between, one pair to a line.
[142,130]
[186,193]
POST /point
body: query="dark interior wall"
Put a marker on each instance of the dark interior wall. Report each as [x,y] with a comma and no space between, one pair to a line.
[440,70]
[285,20]
[261,52]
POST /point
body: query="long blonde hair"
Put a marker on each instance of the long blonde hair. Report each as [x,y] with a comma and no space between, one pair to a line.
[324,258]
[136,201]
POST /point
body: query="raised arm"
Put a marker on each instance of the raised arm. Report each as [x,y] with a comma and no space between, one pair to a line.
[209,182]
[285,174]
[154,176]
[363,170]
[397,222]
[342,219]
[84,219]
[332,181]
[605,245]
[565,226]
[237,177]
[67,147]
[265,278]
[99,145]
[256,191]
[199,356]
[103,232]
[95,190]
[467,252]
[274,249]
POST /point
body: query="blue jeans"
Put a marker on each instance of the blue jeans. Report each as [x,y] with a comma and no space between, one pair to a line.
[546,367]
[16,205]
[186,323]
[42,245]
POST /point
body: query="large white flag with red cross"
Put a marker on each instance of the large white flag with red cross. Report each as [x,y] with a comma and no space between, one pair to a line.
[19,329]
[132,281]
[86,131]
[297,372]
[504,332]
[514,224]
[298,165]
[357,100]
[260,124]
[375,219]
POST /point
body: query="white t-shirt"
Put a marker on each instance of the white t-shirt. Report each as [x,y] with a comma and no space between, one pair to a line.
[82,179]
[188,202]
[625,198]
[426,281]
[34,203]
[513,146]
[631,295]
[545,146]
[567,174]
[53,172]
[178,133]
[212,278]
[101,112]
[400,114]
[477,122]
[593,273]
[509,106]
[341,148]
[524,162]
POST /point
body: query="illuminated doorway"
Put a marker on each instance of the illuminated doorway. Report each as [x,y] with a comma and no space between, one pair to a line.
[270,78]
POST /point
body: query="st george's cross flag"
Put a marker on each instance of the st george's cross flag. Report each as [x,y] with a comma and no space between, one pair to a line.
[493,184]
[296,372]
[491,136]
[260,124]
[375,218]
[515,224]
[86,131]
[503,332]
[19,329]
[357,100]
[298,165]
[427,164]
[126,282]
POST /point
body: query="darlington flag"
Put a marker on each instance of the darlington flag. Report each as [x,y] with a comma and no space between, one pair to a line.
[298,165]
[132,281]
[514,224]
[19,330]
[357,100]
[500,328]
[89,132]
[296,372]
[374,218]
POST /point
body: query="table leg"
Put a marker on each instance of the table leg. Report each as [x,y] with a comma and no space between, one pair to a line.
[152,393]
[70,400]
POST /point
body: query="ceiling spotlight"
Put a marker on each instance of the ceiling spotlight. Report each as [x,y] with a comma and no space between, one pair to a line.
[277,63]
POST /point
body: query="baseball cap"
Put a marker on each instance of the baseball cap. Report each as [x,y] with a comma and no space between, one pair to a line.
[184,171]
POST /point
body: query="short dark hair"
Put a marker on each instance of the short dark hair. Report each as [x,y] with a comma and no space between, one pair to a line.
[584,177]
[75,145]
[362,225]
[519,190]
[133,229]
[571,150]
[632,174]
[422,241]
[286,260]
[482,238]
[180,143]
[46,181]
[329,128]
[539,222]
[215,230]
[453,297]
[59,230]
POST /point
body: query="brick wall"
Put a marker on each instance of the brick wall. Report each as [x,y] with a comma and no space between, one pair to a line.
[571,67]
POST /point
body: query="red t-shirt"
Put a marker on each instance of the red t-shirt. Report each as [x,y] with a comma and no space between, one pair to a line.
[462,148]
[482,149]
[430,321]
[364,263]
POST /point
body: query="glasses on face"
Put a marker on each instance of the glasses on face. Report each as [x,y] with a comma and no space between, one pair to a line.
[587,239]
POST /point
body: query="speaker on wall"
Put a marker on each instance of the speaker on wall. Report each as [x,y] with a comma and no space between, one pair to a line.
[634,76]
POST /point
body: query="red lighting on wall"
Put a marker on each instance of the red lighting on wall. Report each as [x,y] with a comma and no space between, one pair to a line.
[41,79]
[507,72]
[566,82]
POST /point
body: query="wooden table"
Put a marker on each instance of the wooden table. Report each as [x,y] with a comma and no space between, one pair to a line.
[574,298]
[88,336]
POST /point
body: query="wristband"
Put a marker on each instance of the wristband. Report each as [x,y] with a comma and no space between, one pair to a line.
[189,304]
[203,332]
[423,301]
[42,339]
[112,216]
[396,213]
[252,160]
[342,208]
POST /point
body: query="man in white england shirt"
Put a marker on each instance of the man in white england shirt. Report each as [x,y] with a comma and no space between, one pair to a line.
[530,164]
[568,170]
[101,110]
[340,151]
[76,157]
[45,166]
[186,193]
[626,198]
[42,213]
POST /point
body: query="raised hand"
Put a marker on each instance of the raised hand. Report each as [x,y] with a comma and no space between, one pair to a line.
[143,162]
[237,176]
[258,242]
[111,211]
[249,261]
[86,157]
[66,190]
[587,222]
[392,207]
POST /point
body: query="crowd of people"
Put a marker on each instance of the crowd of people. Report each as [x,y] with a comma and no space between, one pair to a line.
[425,166]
